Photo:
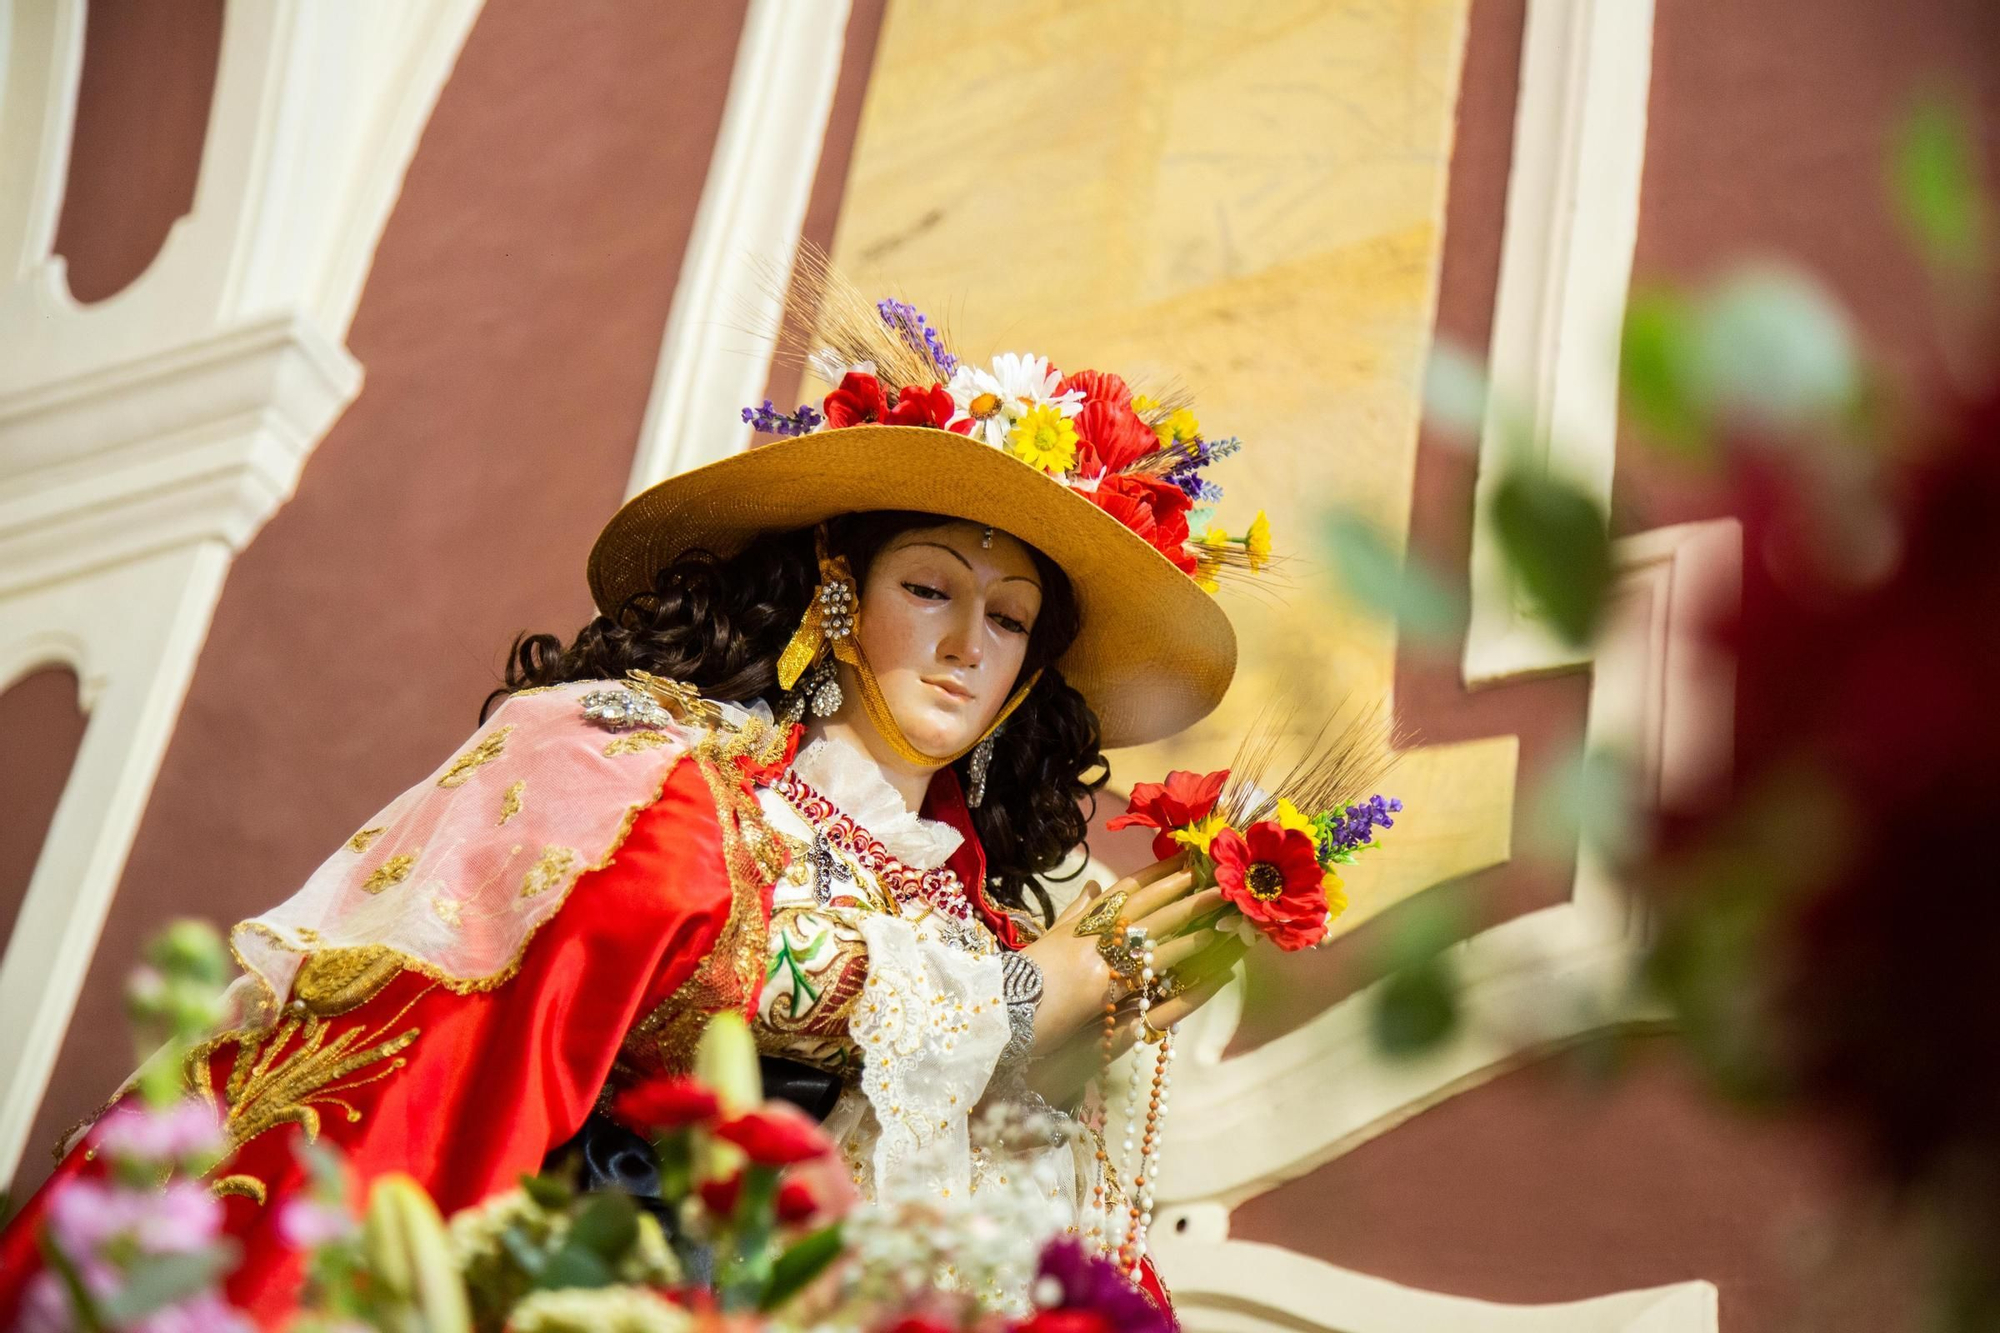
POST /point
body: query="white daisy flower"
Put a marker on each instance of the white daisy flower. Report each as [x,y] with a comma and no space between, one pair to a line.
[993,400]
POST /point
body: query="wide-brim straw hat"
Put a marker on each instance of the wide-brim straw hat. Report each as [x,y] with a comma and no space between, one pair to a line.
[1155,652]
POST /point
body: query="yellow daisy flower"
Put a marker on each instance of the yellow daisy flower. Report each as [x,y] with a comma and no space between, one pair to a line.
[1336,895]
[1179,427]
[1200,834]
[1289,817]
[1257,541]
[1044,438]
[1205,564]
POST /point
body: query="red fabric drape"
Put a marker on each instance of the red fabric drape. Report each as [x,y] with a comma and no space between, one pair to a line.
[495,1078]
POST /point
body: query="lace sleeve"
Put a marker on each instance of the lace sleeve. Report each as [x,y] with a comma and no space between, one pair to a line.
[930,1024]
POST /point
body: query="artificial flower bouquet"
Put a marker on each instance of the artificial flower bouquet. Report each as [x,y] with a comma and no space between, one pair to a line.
[756,1227]
[1272,853]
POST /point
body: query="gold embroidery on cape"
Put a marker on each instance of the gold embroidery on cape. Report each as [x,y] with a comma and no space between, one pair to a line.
[681,700]
[635,742]
[248,1187]
[510,801]
[263,1030]
[753,856]
[306,934]
[548,872]
[335,980]
[359,842]
[447,909]
[485,752]
[533,689]
[391,872]
[264,1090]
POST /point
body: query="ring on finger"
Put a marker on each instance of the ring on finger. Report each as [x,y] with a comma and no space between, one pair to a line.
[1166,986]
[1123,949]
[1106,918]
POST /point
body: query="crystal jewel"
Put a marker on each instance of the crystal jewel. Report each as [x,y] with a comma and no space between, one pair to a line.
[624,708]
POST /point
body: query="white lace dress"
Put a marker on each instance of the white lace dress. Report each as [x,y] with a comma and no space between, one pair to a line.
[881,970]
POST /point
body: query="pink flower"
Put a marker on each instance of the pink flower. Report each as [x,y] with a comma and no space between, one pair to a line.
[186,1129]
[182,1217]
[84,1214]
[307,1224]
[207,1313]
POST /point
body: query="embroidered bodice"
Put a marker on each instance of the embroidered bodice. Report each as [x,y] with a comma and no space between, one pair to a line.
[881,968]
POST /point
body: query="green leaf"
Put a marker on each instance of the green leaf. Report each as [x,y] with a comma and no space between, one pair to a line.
[162,1279]
[607,1225]
[805,1260]
[1775,350]
[1934,182]
[547,1192]
[1455,391]
[1555,539]
[1405,590]
[1659,367]
[574,1265]
[1588,796]
[1416,1008]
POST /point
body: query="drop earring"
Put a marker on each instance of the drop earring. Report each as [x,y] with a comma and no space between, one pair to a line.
[976,767]
[823,694]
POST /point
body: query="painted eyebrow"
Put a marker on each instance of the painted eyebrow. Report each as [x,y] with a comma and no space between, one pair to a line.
[1011,578]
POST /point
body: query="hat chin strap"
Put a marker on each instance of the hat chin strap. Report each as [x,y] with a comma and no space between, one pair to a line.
[833,617]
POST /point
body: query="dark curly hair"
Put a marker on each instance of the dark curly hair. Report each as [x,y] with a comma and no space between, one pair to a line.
[719,625]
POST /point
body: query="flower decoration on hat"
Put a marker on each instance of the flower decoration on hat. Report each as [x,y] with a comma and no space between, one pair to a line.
[1141,458]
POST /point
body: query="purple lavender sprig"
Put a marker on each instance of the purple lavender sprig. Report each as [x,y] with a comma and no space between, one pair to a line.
[917,333]
[771,421]
[1186,473]
[1340,835]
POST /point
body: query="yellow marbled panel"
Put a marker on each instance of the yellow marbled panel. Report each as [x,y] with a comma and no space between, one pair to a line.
[1248,198]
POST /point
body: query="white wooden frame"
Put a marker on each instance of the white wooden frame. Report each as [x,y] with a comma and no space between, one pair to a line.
[1319,1091]
[722,328]
[1565,267]
[1242,1287]
[145,438]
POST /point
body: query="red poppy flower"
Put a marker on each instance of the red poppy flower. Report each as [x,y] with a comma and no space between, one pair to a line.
[776,1134]
[858,399]
[1272,875]
[1111,434]
[922,407]
[1156,510]
[668,1103]
[1184,798]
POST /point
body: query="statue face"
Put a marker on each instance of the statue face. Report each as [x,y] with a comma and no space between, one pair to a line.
[944,623]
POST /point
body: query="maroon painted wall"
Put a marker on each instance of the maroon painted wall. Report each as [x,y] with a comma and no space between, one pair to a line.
[141,113]
[41,727]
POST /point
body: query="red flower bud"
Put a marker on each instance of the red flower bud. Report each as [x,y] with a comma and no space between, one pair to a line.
[668,1103]
[776,1134]
[719,1196]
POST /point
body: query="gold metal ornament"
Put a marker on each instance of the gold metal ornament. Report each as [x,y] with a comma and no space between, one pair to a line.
[1104,916]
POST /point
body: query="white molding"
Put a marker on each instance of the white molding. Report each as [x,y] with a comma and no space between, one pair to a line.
[145,438]
[201,441]
[41,60]
[1565,267]
[1305,1098]
[716,355]
[1242,1287]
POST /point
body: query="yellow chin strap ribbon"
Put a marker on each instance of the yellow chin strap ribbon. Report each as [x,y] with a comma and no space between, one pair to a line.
[833,618]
